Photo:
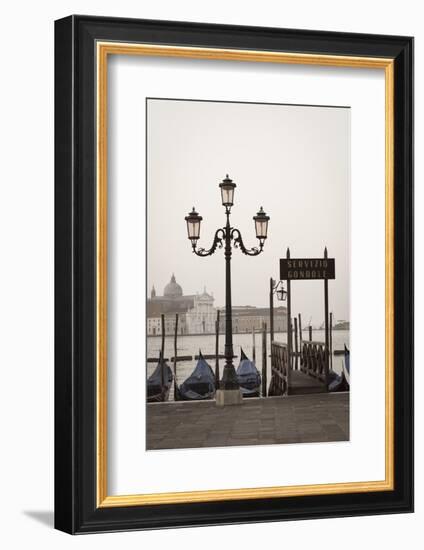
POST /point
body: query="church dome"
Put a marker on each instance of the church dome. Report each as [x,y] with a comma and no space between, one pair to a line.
[173,289]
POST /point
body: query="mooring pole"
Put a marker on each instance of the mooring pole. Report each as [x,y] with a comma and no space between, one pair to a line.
[271,309]
[296,347]
[300,340]
[289,331]
[292,343]
[331,340]
[327,355]
[162,347]
[217,350]
[264,357]
[175,355]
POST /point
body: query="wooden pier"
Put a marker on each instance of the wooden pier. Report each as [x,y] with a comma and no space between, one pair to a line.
[293,377]
[311,418]
[302,384]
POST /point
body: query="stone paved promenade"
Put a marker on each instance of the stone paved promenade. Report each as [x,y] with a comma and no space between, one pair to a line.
[293,419]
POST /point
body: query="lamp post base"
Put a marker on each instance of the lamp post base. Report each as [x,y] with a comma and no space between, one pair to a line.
[228,397]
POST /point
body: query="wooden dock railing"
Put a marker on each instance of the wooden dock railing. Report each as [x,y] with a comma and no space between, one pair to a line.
[313,360]
[287,380]
[280,371]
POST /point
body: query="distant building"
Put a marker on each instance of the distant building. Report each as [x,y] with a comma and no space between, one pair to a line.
[196,314]
[341,325]
[247,318]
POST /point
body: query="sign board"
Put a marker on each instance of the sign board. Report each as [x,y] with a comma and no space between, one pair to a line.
[306,269]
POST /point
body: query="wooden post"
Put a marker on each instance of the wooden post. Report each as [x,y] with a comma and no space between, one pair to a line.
[253,344]
[327,355]
[300,330]
[331,340]
[162,347]
[289,342]
[271,309]
[264,357]
[175,355]
[300,339]
[217,350]
[296,347]
[310,333]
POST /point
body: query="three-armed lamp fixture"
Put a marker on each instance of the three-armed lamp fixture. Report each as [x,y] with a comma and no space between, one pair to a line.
[226,236]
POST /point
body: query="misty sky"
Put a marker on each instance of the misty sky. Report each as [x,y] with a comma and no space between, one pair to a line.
[292,160]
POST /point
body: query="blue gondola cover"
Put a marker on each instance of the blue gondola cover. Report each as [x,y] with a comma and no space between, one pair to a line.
[200,384]
[248,376]
[159,382]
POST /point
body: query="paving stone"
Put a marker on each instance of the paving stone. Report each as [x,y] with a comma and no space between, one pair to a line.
[293,419]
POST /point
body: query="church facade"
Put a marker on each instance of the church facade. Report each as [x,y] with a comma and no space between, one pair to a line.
[196,312]
[200,319]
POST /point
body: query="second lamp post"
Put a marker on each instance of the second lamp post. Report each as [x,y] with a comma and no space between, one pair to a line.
[227,236]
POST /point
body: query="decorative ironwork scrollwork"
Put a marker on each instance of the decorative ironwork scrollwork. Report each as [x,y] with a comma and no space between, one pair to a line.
[217,243]
[238,243]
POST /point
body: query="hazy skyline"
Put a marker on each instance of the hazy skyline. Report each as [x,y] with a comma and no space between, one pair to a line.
[292,160]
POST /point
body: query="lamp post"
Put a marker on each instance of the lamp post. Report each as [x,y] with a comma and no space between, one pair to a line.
[275,287]
[228,237]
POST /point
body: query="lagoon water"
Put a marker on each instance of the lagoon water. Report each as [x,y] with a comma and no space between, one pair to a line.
[190,345]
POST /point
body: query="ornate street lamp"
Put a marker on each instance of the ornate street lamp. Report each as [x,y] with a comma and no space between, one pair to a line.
[281,294]
[275,287]
[227,192]
[227,236]
[193,225]
[261,225]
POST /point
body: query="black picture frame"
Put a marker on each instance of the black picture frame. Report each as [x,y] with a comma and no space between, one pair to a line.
[76,509]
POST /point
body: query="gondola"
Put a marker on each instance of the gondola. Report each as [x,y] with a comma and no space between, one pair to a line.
[200,385]
[339,383]
[159,382]
[346,364]
[248,376]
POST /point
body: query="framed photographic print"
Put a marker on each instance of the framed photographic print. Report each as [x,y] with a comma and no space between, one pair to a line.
[234,274]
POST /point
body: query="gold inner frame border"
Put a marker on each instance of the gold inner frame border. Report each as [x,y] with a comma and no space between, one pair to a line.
[103,50]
